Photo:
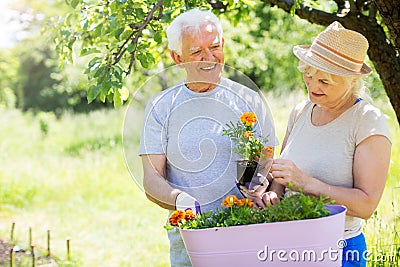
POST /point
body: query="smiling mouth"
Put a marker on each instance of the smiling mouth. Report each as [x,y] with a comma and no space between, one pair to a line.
[209,68]
[317,95]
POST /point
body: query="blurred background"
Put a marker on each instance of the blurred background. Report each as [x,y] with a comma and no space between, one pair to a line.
[62,161]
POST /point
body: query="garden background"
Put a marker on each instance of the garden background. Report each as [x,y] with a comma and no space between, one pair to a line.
[62,161]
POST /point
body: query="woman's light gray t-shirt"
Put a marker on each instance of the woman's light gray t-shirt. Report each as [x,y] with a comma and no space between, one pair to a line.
[326,152]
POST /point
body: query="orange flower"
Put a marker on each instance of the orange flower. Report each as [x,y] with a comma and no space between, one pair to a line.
[247,134]
[176,217]
[230,201]
[268,151]
[243,201]
[189,215]
[248,118]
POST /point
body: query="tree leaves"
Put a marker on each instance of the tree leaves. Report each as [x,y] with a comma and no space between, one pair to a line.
[118,33]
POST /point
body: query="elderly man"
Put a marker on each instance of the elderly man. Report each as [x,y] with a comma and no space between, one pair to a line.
[187,162]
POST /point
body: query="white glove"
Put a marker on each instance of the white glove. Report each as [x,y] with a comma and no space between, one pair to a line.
[185,201]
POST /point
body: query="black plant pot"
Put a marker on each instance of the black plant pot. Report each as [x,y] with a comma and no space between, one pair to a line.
[245,173]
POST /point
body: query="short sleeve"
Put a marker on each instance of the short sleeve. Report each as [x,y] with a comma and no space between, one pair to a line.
[153,138]
[267,127]
[295,114]
[371,122]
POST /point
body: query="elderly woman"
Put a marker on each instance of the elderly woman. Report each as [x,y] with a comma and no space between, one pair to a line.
[336,144]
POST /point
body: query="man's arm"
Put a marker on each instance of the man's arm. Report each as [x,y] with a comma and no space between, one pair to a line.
[156,187]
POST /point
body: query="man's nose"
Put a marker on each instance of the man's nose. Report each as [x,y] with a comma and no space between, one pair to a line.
[208,55]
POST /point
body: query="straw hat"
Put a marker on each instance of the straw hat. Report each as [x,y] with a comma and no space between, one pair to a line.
[336,50]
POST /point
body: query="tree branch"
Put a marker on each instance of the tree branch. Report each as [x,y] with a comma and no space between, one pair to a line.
[353,7]
[136,34]
[390,12]
[312,15]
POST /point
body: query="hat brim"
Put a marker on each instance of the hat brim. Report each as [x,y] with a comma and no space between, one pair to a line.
[304,53]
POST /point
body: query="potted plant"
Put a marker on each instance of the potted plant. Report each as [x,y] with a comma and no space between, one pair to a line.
[300,230]
[250,147]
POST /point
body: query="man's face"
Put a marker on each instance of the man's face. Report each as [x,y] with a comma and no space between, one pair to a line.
[205,54]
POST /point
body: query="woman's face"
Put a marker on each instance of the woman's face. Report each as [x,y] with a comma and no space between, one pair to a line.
[325,89]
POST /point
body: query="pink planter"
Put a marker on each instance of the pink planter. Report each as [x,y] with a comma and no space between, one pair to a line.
[314,242]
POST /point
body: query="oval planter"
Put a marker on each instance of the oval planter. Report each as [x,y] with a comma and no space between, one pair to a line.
[313,242]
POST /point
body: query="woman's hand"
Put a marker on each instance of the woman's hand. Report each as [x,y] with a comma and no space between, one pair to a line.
[286,173]
[261,197]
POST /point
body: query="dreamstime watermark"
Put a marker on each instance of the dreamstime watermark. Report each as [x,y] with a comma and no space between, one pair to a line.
[295,255]
[323,255]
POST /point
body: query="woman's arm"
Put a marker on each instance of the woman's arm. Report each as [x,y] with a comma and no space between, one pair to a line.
[370,169]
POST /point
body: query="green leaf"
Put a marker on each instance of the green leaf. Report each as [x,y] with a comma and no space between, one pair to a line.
[158,37]
[74,3]
[117,99]
[130,48]
[113,21]
[143,60]
[97,30]
[120,95]
[87,51]
[118,33]
[167,3]
[125,34]
[92,93]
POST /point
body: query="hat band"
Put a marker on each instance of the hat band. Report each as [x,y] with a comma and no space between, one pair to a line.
[332,56]
[334,63]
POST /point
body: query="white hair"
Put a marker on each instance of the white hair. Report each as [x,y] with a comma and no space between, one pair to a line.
[358,88]
[190,21]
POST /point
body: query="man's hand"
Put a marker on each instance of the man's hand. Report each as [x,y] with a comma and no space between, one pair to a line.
[185,201]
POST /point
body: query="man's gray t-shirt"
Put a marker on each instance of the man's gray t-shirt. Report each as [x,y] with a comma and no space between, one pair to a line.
[187,127]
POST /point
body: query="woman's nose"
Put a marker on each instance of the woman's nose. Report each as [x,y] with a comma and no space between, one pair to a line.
[309,82]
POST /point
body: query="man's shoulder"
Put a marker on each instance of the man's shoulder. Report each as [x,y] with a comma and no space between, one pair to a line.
[165,95]
[246,85]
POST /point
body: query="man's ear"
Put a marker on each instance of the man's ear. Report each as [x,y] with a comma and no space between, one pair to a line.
[176,58]
[223,42]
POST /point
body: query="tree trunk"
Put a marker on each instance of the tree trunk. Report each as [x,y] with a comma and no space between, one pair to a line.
[381,52]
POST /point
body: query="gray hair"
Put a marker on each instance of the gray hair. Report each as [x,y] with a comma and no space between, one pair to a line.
[357,90]
[190,21]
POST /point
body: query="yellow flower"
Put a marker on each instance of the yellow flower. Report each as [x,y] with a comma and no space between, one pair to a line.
[247,134]
[248,118]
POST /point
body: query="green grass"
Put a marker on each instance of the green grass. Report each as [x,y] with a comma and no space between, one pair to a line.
[69,175]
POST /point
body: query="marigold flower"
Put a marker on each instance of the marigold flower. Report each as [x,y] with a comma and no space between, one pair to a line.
[230,201]
[176,217]
[248,118]
[189,215]
[247,134]
[268,151]
[241,202]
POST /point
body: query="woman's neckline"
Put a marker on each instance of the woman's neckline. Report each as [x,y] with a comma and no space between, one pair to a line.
[334,118]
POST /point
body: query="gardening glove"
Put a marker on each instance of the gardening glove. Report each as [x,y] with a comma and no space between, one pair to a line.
[185,201]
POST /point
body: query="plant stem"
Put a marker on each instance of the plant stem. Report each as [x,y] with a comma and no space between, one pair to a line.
[12,232]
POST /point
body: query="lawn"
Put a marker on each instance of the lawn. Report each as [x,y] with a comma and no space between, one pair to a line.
[72,177]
